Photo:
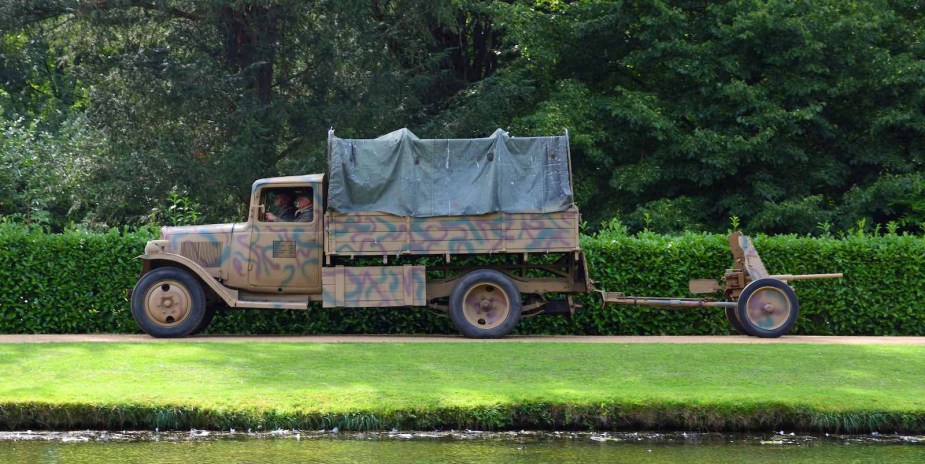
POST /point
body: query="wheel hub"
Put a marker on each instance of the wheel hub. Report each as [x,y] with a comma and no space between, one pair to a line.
[168,303]
[486,306]
[768,308]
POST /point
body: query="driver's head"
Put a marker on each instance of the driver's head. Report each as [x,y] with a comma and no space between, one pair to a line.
[282,198]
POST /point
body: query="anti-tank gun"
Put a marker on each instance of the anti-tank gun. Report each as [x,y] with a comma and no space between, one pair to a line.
[756,303]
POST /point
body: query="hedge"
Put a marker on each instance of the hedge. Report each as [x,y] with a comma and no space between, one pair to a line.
[75,283]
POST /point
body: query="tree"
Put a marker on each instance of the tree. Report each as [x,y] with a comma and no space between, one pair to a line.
[205,97]
[790,115]
[773,111]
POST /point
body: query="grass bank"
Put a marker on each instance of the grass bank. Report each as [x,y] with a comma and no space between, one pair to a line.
[488,386]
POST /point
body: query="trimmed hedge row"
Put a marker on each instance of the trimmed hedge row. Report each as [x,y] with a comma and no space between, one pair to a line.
[881,293]
[75,283]
[67,283]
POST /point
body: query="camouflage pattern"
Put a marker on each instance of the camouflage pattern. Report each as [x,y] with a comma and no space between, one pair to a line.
[282,264]
[259,256]
[365,234]
[207,246]
[373,286]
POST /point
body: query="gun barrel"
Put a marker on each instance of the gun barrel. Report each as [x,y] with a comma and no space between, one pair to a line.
[786,277]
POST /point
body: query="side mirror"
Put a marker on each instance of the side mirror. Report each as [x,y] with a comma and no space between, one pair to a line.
[261,212]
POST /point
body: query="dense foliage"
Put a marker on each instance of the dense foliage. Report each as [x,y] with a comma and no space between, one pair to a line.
[75,282]
[798,116]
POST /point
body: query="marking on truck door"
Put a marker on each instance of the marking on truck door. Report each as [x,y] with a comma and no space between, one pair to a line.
[283,249]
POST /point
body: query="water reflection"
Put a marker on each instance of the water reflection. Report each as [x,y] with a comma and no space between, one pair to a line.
[90,447]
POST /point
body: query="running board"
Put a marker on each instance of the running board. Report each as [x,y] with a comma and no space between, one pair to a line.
[272,302]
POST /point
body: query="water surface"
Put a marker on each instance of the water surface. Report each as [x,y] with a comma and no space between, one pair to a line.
[202,447]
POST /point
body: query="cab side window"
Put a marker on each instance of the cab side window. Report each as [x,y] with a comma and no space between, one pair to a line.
[278,204]
[288,205]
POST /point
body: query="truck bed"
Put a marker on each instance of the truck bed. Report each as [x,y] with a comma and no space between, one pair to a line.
[376,234]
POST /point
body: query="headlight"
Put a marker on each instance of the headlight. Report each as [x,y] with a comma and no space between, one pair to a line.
[156,246]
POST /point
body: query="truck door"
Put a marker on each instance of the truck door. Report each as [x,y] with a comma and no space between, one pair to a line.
[286,252]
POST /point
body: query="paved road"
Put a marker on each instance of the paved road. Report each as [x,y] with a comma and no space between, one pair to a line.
[730,339]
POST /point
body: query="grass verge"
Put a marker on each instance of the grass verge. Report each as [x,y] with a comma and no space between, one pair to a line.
[819,388]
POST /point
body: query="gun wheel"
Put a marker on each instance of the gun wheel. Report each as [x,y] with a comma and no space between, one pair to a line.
[734,322]
[767,308]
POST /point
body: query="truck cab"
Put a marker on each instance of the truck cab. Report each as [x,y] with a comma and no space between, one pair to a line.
[275,254]
[266,262]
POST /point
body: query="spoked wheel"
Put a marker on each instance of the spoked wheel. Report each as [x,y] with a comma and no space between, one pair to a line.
[485,304]
[767,308]
[169,302]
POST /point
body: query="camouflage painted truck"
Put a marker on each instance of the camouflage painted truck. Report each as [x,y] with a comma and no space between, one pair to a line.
[399,222]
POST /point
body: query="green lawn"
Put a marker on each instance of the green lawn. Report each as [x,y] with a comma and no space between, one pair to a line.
[491,385]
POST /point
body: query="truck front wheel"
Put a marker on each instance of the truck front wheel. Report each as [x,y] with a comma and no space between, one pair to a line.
[168,302]
[485,304]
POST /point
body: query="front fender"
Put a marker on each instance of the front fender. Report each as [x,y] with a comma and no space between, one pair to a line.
[229,296]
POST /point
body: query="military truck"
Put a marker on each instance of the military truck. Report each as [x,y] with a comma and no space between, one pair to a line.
[386,200]
[400,222]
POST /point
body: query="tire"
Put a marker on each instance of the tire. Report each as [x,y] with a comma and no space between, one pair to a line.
[767,308]
[210,314]
[168,302]
[485,304]
[734,322]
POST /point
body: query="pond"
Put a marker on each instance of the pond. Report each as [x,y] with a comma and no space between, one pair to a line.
[453,447]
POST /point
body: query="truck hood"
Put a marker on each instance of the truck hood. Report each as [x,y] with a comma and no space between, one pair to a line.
[207,246]
[168,233]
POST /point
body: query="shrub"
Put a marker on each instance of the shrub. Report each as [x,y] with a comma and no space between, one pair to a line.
[72,282]
[75,282]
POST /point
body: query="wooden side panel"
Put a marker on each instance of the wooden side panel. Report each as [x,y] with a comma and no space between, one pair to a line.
[370,234]
[373,286]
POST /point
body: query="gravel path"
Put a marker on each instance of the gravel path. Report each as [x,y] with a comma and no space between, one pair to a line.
[728,339]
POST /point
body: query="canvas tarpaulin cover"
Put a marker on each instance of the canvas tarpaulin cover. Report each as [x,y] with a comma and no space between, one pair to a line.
[401,174]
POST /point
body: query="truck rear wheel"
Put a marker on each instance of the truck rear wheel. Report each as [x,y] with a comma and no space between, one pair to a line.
[168,302]
[485,304]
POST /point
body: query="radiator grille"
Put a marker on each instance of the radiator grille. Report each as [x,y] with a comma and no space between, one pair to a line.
[206,254]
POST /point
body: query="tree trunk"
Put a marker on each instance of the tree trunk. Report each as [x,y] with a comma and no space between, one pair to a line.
[250,34]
